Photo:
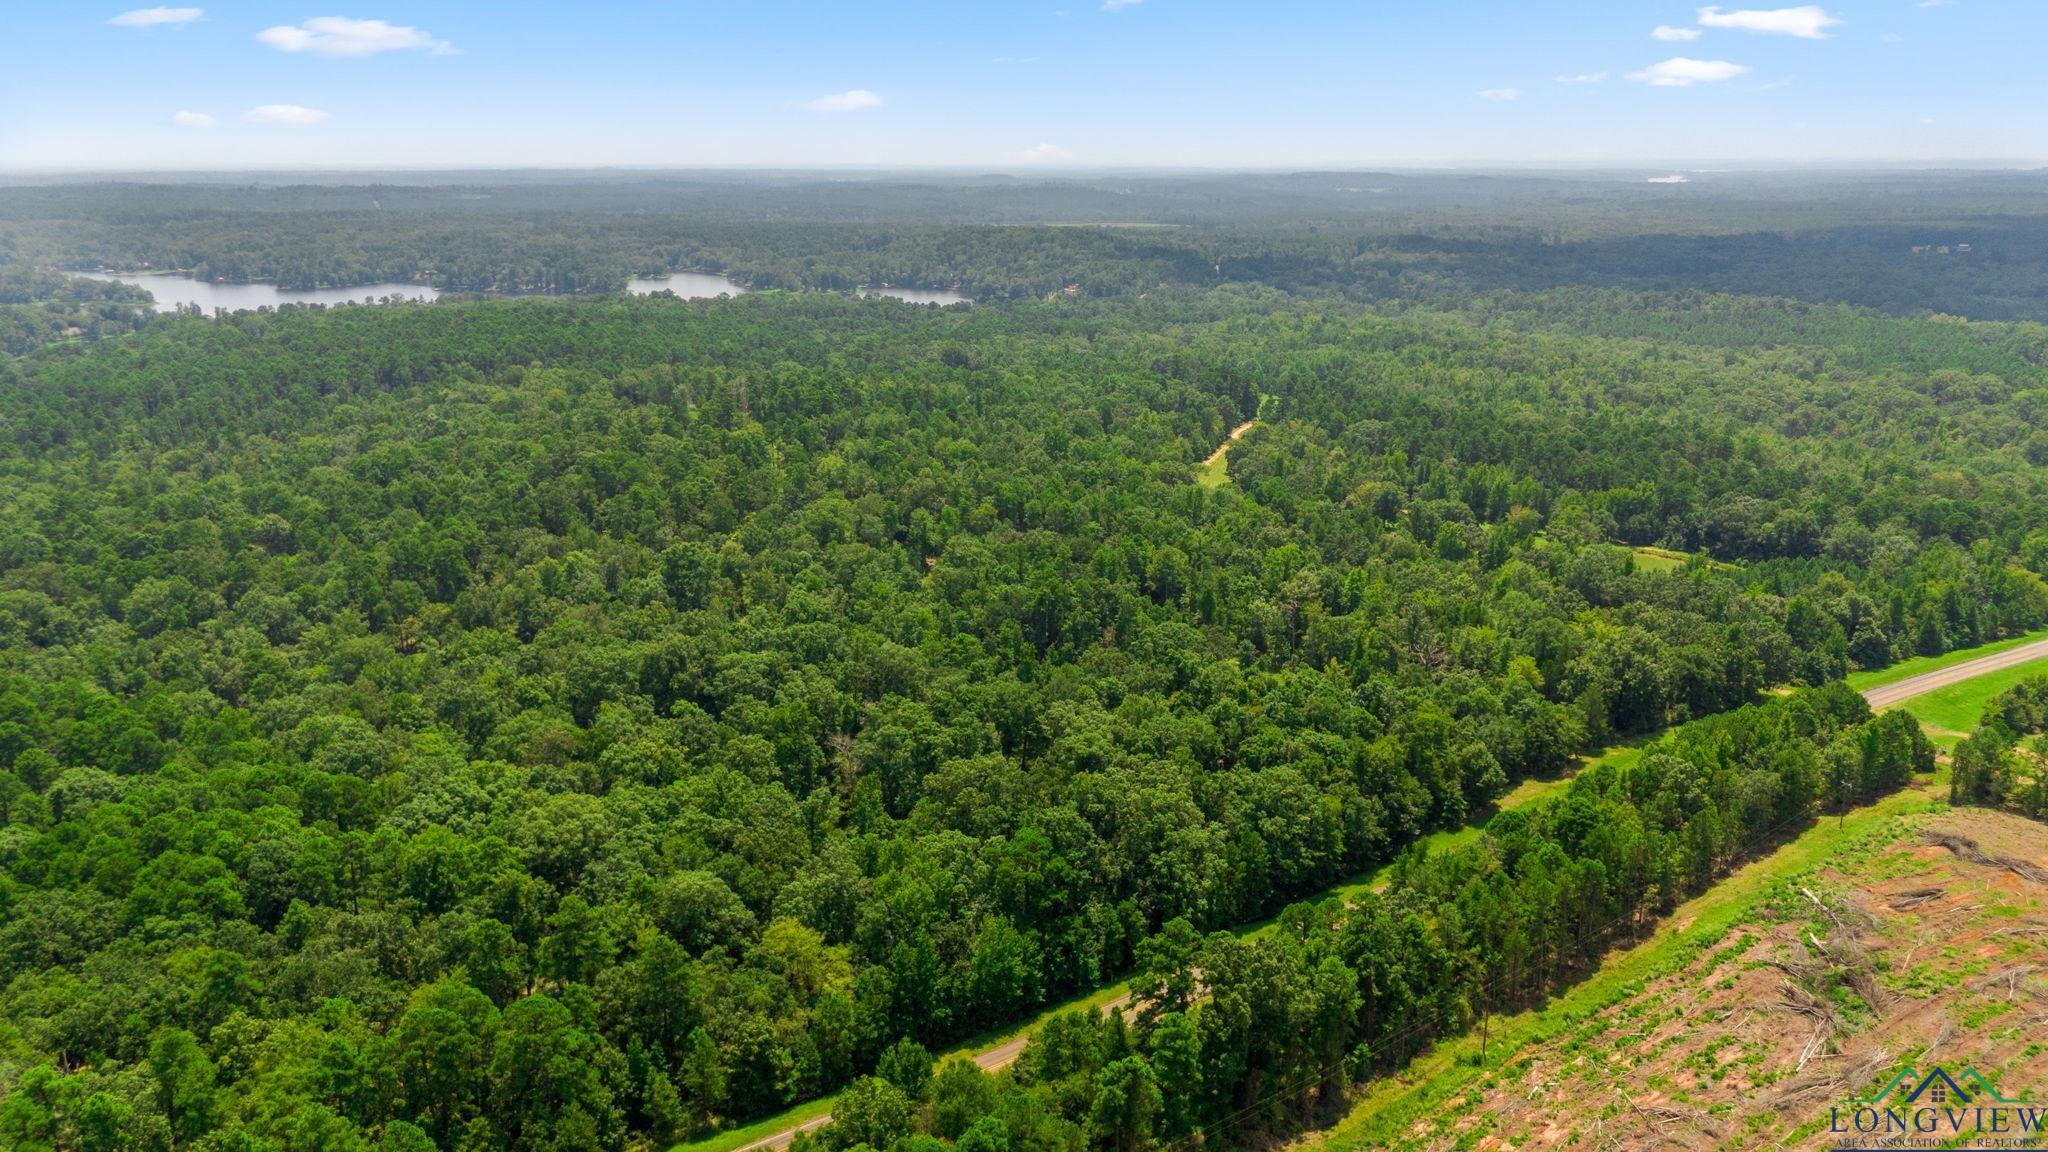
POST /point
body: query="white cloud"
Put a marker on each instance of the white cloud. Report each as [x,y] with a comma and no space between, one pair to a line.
[1927,120]
[1119,5]
[1500,95]
[1682,72]
[1808,22]
[851,100]
[284,114]
[1041,153]
[1936,3]
[1675,179]
[342,36]
[1667,32]
[1583,78]
[192,120]
[151,17]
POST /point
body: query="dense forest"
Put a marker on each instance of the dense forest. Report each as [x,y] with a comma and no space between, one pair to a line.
[581,723]
[1959,243]
[1241,1038]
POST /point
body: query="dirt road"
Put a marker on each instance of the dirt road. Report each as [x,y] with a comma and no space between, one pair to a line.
[1235,433]
[988,1060]
[1886,695]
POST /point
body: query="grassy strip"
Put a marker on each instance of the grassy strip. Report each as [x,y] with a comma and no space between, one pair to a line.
[1957,708]
[1878,677]
[1527,792]
[1651,559]
[1215,471]
[1392,1106]
[762,1129]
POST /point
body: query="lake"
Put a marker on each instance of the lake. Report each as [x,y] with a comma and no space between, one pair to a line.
[918,295]
[172,289]
[699,285]
[688,285]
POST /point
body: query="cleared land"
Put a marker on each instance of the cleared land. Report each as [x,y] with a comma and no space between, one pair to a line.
[1906,935]
[1652,559]
[1214,472]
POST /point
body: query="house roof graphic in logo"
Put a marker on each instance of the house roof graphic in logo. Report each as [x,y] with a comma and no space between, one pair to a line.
[1938,1088]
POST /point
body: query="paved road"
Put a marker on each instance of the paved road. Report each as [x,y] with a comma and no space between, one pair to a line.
[1886,695]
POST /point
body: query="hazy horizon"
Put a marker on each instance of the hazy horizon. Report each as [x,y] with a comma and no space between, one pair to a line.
[1530,168]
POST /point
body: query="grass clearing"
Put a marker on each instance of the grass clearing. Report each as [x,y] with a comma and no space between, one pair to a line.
[1215,471]
[1651,559]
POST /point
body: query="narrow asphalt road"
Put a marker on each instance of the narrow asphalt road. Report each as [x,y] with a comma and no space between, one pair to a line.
[1884,696]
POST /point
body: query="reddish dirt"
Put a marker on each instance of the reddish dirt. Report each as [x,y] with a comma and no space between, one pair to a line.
[1905,954]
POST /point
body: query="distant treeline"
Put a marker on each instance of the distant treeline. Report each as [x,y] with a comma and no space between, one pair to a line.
[1367,237]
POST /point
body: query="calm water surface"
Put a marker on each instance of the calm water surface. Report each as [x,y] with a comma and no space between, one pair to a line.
[171,289]
[917,295]
[688,285]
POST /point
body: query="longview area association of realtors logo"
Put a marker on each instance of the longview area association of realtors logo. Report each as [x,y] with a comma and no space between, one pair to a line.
[1957,1110]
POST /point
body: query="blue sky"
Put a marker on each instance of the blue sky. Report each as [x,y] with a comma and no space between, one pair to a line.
[995,84]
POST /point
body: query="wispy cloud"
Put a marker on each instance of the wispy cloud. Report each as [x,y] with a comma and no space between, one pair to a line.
[1583,78]
[192,120]
[1044,153]
[851,100]
[1683,72]
[1500,95]
[1119,5]
[1667,32]
[1808,22]
[152,17]
[343,36]
[1677,178]
[284,114]
[1016,60]
[1936,3]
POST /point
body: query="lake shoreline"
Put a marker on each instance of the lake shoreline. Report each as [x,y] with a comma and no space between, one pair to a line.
[172,289]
